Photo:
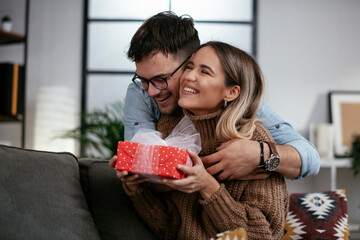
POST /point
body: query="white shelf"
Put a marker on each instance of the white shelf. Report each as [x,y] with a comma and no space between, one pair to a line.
[336,162]
[333,164]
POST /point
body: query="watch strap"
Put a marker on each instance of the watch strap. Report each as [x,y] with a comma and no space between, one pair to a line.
[271,152]
[262,161]
[272,148]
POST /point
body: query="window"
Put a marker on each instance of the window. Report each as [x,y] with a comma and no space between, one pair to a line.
[110,24]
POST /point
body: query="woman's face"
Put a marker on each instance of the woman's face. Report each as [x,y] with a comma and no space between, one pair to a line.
[202,85]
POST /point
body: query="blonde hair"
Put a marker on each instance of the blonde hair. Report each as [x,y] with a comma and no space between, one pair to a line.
[238,118]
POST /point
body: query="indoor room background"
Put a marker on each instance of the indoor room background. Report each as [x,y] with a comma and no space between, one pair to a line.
[305,48]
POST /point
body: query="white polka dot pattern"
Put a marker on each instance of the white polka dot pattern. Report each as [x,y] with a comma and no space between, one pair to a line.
[150,159]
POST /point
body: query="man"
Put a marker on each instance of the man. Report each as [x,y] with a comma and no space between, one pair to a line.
[160,48]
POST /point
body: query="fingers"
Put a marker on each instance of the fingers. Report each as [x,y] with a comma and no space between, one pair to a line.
[112,161]
[224,145]
[214,169]
[137,181]
[184,185]
[212,158]
[195,168]
[225,175]
[130,179]
[218,156]
[185,169]
[121,174]
[196,159]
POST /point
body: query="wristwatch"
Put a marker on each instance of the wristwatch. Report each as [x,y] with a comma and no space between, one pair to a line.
[272,163]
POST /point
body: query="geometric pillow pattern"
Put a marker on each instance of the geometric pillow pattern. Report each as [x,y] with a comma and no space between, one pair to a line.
[321,215]
[237,234]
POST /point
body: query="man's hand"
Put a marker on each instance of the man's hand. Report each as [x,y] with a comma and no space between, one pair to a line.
[237,159]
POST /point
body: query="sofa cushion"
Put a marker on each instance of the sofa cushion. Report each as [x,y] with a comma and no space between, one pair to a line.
[41,196]
[112,209]
[321,215]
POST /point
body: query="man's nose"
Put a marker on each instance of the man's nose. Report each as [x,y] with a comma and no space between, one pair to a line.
[153,91]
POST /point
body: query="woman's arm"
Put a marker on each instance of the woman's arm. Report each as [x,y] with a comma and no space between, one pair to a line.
[258,206]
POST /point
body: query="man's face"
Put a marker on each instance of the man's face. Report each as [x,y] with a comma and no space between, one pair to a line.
[160,65]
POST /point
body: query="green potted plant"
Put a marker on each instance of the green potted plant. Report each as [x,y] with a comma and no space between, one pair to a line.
[101,132]
[355,154]
[6,24]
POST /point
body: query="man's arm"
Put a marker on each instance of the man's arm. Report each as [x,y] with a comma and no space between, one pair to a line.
[290,164]
[140,111]
[239,158]
[297,152]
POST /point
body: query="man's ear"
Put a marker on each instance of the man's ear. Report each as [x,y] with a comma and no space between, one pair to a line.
[232,93]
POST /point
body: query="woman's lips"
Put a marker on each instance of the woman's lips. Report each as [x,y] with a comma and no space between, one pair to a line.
[190,90]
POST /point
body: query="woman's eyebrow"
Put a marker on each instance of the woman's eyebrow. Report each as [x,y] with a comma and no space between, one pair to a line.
[207,67]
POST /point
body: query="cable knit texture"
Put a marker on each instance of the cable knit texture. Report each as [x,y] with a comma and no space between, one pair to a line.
[258,206]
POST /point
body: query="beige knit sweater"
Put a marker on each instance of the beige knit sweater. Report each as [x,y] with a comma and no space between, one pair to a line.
[258,206]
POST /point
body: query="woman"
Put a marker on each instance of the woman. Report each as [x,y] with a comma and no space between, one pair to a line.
[220,91]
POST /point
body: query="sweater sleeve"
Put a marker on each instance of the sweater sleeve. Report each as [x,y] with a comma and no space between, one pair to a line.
[258,206]
[157,213]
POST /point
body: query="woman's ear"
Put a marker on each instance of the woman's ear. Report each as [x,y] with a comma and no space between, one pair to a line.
[232,93]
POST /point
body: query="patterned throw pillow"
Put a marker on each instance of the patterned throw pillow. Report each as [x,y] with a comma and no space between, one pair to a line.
[320,215]
[237,234]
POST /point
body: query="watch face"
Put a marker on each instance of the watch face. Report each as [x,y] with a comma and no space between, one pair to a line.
[272,163]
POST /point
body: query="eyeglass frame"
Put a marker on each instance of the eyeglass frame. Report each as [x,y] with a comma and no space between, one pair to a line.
[162,78]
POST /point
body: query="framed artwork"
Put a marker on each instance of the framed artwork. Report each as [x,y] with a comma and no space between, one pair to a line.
[344,114]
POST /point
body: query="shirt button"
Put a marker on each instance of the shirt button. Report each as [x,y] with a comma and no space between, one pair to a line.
[277,126]
[136,123]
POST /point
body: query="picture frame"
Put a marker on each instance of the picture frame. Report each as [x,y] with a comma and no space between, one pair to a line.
[344,114]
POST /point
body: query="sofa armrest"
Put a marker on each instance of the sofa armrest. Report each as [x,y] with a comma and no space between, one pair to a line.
[41,196]
[111,208]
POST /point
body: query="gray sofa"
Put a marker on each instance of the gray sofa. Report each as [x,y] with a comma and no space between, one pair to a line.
[48,195]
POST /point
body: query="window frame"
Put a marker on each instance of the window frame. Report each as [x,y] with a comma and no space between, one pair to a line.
[85,72]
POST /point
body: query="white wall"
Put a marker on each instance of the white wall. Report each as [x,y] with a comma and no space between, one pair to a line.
[307,48]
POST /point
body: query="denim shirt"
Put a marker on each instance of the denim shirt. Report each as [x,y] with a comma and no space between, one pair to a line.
[141,111]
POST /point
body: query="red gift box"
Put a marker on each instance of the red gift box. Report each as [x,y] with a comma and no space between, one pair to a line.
[154,160]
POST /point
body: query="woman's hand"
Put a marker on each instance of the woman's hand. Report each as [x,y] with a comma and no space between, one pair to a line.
[132,181]
[197,180]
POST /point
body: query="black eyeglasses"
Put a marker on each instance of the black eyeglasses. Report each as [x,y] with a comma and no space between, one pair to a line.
[158,82]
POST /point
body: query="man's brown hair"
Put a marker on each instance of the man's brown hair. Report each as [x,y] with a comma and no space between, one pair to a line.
[167,33]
